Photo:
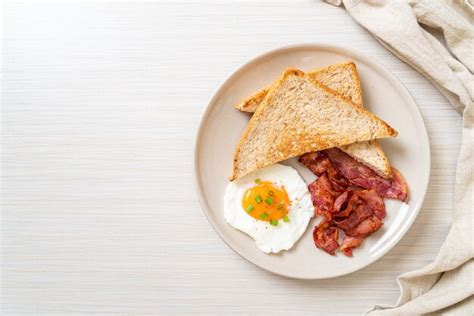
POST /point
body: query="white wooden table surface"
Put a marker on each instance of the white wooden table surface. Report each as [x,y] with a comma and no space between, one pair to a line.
[100,108]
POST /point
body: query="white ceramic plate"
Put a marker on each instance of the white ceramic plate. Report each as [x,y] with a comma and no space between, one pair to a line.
[384,95]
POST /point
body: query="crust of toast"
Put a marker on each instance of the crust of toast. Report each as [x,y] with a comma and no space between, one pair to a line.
[251,103]
[358,86]
[305,143]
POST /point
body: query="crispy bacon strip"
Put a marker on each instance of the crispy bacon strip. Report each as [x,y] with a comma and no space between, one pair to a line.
[350,243]
[351,205]
[365,228]
[374,201]
[355,218]
[350,197]
[342,201]
[320,165]
[326,237]
[362,176]
[323,195]
[316,162]
[398,186]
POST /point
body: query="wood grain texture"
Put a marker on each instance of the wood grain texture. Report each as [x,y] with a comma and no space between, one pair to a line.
[100,107]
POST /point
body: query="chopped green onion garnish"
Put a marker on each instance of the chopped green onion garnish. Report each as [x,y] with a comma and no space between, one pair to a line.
[286,219]
[269,200]
[258,181]
[258,199]
[274,222]
[280,206]
[250,208]
[271,193]
[264,215]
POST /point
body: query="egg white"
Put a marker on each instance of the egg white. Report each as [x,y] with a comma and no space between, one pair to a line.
[270,238]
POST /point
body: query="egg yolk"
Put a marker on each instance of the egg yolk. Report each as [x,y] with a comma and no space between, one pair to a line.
[266,202]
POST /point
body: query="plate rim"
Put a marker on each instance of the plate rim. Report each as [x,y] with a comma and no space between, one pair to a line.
[372,62]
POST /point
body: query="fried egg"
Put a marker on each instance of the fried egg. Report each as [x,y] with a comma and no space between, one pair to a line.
[271,205]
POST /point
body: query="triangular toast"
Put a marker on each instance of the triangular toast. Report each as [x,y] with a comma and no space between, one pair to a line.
[342,78]
[300,115]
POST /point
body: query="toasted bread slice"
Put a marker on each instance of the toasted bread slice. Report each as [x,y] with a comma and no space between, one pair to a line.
[251,103]
[342,78]
[300,115]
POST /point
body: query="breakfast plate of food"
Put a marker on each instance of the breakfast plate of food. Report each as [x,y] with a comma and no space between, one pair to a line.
[312,161]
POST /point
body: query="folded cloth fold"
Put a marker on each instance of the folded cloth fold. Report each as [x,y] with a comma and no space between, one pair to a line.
[414,31]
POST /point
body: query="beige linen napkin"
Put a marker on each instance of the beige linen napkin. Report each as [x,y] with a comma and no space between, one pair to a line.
[418,33]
